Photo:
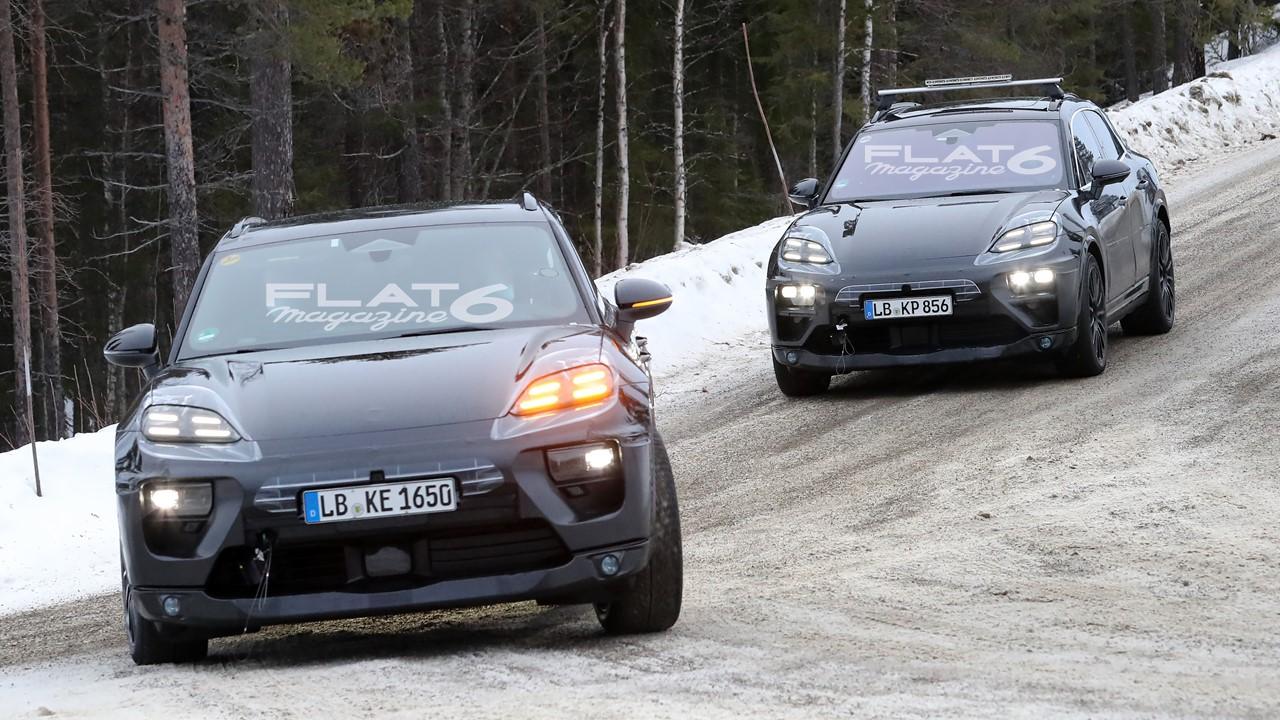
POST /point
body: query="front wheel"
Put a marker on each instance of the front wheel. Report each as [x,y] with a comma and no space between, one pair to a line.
[1088,356]
[148,645]
[650,600]
[794,382]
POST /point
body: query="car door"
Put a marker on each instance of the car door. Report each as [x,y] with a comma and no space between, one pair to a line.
[1140,209]
[1109,206]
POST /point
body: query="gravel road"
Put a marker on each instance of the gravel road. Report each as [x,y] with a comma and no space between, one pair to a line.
[964,542]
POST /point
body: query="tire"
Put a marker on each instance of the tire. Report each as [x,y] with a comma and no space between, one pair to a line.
[1155,316]
[148,645]
[1088,355]
[649,601]
[794,382]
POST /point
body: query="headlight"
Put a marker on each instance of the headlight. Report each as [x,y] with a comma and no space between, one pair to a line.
[181,499]
[575,387]
[179,423]
[805,244]
[1027,236]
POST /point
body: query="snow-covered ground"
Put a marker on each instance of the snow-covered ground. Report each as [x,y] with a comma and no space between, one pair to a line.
[64,545]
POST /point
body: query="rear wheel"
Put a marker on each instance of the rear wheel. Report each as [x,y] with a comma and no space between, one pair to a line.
[1155,317]
[148,645]
[650,600]
[794,382]
[1088,356]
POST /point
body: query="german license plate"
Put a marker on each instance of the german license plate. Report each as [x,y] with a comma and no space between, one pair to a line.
[907,307]
[416,497]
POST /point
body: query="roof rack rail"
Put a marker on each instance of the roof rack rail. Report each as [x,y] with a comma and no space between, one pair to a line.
[1053,87]
[528,201]
[245,223]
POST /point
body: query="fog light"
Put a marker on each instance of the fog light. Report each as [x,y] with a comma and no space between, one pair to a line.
[182,500]
[1019,280]
[792,357]
[1046,343]
[610,565]
[802,295]
[172,606]
[1043,277]
[583,463]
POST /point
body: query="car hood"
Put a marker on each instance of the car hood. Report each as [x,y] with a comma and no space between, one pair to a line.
[890,235]
[374,386]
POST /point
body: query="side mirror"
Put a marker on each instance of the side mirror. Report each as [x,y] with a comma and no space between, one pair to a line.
[134,347]
[639,299]
[1107,172]
[805,193]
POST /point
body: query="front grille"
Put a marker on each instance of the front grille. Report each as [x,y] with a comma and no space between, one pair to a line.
[442,554]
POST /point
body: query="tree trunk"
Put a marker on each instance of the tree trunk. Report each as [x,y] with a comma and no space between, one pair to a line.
[890,34]
[678,100]
[444,90]
[602,50]
[17,229]
[624,168]
[866,61]
[1160,66]
[1127,41]
[47,255]
[409,167]
[1186,65]
[544,111]
[184,245]
[271,97]
[837,90]
[466,101]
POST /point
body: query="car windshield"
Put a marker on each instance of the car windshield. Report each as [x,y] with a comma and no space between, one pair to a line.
[379,284]
[950,158]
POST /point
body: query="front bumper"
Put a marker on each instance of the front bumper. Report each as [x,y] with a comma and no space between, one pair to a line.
[989,321]
[578,580]
[515,535]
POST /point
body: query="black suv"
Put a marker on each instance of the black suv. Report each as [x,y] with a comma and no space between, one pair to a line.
[971,230]
[389,410]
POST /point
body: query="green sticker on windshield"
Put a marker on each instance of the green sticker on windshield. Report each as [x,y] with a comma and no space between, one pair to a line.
[206,335]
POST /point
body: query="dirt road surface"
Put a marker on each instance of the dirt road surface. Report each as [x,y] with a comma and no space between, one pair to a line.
[963,542]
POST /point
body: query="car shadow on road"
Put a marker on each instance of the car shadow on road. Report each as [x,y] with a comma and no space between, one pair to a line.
[977,377]
[427,635]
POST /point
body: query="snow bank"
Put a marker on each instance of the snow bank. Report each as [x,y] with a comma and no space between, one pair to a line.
[1238,103]
[62,545]
[718,289]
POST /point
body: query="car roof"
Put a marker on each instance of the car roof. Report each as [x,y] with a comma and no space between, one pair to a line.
[1023,108]
[254,231]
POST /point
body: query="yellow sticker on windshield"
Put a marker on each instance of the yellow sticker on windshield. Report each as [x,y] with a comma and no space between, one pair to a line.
[230,260]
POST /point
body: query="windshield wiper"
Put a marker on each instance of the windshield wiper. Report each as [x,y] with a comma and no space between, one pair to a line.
[444,331]
[962,193]
[237,351]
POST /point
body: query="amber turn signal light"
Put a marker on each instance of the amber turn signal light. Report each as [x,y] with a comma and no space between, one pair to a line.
[575,387]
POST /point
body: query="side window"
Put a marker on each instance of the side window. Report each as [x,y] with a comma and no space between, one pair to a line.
[1088,149]
[1111,147]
